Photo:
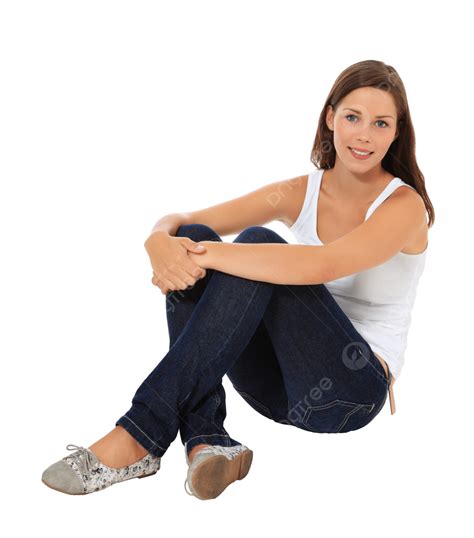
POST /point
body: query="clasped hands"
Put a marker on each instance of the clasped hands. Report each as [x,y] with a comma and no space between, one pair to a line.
[177,262]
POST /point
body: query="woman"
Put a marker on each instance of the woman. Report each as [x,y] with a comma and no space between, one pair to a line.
[311,335]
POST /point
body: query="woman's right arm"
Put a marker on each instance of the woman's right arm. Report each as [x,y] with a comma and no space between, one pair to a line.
[280,200]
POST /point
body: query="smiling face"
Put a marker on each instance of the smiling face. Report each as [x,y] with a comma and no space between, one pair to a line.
[365,119]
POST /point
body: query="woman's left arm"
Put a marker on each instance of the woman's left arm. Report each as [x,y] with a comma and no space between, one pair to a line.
[276,263]
[392,226]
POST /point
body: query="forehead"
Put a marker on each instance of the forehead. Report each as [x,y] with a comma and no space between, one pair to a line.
[370,101]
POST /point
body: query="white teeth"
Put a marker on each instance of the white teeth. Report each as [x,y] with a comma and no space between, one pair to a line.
[360,152]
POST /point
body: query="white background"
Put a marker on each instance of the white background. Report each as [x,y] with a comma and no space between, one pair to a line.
[116,113]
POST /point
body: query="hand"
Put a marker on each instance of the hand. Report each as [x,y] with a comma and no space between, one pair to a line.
[172,267]
[165,289]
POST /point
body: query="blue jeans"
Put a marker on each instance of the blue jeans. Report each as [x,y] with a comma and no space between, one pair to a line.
[288,350]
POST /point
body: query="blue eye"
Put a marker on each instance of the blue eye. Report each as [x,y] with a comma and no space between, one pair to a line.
[353,115]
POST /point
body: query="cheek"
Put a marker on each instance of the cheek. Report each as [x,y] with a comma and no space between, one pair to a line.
[342,133]
[341,139]
[384,143]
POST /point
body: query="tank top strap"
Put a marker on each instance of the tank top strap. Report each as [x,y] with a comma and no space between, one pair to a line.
[314,180]
[394,184]
[307,210]
[315,176]
[311,185]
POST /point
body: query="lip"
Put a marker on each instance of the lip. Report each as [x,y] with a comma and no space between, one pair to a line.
[359,149]
[360,157]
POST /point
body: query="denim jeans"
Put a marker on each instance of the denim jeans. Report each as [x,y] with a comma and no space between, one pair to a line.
[288,350]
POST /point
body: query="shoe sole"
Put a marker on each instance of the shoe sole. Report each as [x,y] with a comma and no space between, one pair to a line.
[214,474]
[56,489]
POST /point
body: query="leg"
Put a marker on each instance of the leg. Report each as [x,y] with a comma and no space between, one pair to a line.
[257,376]
[204,424]
[334,381]
[220,327]
[311,368]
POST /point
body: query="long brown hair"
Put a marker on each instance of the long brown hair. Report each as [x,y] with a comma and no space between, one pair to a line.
[400,159]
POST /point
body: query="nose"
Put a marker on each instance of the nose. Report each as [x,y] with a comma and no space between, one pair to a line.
[362,135]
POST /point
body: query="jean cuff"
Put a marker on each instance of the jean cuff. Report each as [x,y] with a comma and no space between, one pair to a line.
[210,439]
[137,432]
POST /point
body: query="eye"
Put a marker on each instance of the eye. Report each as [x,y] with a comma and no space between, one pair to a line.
[378,121]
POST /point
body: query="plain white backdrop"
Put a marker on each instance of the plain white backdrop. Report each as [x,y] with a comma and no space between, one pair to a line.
[113,114]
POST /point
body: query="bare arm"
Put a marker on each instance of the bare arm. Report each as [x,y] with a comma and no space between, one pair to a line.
[372,243]
[276,263]
[273,201]
[169,224]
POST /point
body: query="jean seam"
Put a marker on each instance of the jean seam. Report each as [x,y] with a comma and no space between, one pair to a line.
[217,402]
[147,436]
[381,375]
[348,416]
[223,348]
[208,435]
[332,403]
[240,320]
[257,403]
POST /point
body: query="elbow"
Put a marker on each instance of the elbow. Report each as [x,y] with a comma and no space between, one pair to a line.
[311,268]
[322,274]
[317,275]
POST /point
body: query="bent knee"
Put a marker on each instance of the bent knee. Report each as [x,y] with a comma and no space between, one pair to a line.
[259,234]
[197,232]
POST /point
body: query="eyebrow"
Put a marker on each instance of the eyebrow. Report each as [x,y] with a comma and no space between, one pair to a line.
[359,112]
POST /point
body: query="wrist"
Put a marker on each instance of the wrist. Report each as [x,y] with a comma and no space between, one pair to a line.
[206,259]
[156,234]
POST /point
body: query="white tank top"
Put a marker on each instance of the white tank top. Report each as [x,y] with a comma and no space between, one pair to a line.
[378,301]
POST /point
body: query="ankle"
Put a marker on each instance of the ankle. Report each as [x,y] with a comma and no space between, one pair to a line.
[195,450]
[118,449]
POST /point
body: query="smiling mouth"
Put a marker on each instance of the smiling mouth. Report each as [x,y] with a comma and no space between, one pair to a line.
[360,153]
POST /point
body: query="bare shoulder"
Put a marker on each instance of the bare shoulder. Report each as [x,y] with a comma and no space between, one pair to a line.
[412,201]
[292,193]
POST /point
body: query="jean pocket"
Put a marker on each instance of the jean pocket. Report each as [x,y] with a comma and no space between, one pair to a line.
[258,406]
[337,416]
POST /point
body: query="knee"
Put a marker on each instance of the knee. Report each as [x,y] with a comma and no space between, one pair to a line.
[197,232]
[259,234]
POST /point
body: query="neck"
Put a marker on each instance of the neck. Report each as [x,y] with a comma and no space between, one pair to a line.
[345,185]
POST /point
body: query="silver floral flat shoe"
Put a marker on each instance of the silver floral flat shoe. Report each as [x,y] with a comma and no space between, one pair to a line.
[81,472]
[214,467]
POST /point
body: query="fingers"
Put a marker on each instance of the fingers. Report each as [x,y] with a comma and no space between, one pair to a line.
[164,284]
[182,281]
[193,269]
[172,282]
[182,274]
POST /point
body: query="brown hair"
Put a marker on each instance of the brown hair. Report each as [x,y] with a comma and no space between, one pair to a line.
[400,159]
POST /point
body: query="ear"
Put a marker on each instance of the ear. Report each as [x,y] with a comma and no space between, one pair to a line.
[330,118]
